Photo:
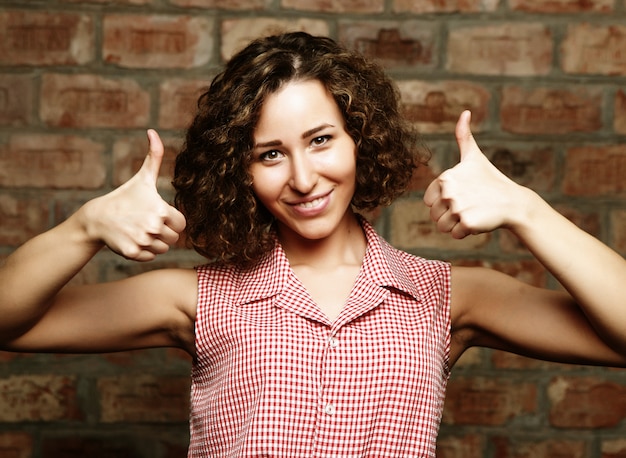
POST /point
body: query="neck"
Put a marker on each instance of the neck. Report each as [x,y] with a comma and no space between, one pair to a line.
[345,246]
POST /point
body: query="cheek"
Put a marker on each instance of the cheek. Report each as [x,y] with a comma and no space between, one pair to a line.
[264,183]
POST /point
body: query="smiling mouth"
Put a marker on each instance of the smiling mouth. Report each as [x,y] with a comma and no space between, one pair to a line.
[311,204]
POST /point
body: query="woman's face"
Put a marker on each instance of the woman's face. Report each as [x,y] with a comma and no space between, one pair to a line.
[304,162]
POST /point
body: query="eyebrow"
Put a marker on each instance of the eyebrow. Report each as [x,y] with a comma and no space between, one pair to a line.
[306,134]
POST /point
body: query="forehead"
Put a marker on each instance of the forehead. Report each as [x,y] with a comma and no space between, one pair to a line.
[299,106]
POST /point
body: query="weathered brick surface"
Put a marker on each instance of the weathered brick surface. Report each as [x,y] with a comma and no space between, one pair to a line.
[254,5]
[178,101]
[586,402]
[488,401]
[595,49]
[565,6]
[618,231]
[51,161]
[523,49]
[16,445]
[394,44]
[42,38]
[17,96]
[157,41]
[144,398]
[435,107]
[81,80]
[547,110]
[470,446]
[93,101]
[619,123]
[445,6]
[615,448]
[514,448]
[336,6]
[595,171]
[38,398]
[236,33]
[22,218]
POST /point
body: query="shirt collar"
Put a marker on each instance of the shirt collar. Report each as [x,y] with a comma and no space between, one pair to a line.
[383,265]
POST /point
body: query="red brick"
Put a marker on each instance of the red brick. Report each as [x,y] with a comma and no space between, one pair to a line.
[615,448]
[157,41]
[144,398]
[412,229]
[393,44]
[110,2]
[237,33]
[435,107]
[469,446]
[619,123]
[595,171]
[488,401]
[472,357]
[8,356]
[54,161]
[93,101]
[618,234]
[586,402]
[425,174]
[511,447]
[79,447]
[563,7]
[445,6]
[533,168]
[224,4]
[38,398]
[594,49]
[116,444]
[22,218]
[41,38]
[130,152]
[336,6]
[521,49]
[16,100]
[543,110]
[16,445]
[178,101]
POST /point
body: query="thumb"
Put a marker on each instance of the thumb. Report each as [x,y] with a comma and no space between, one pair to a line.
[464,138]
[152,163]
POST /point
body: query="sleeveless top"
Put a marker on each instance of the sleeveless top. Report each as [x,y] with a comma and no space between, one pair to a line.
[273,377]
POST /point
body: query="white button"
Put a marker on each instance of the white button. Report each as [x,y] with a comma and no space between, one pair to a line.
[333,342]
[329,409]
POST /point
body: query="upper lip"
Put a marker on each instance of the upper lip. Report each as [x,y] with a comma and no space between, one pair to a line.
[306,199]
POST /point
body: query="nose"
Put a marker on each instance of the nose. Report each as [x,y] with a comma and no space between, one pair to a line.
[304,175]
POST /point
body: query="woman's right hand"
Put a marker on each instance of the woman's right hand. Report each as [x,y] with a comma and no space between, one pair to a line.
[133,220]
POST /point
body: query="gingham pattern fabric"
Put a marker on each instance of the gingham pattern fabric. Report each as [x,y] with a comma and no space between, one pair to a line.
[275,378]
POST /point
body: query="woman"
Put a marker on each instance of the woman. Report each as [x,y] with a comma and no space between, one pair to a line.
[311,336]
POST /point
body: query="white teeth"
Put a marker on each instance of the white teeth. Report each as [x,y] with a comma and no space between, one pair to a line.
[311,204]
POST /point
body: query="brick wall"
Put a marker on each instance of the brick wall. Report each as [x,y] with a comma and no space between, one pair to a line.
[80,81]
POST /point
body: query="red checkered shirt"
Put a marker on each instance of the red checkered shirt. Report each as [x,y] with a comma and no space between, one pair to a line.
[275,378]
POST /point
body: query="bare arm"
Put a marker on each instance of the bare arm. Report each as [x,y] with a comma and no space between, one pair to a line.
[132,220]
[475,197]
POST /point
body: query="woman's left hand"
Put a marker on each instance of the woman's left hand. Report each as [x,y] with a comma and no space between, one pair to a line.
[474,196]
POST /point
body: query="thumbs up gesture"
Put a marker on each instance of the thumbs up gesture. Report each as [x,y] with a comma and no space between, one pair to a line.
[473,196]
[133,220]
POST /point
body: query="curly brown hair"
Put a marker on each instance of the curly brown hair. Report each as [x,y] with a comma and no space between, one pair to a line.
[225,221]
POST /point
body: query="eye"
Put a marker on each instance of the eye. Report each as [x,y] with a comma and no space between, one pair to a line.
[269,156]
[319,141]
